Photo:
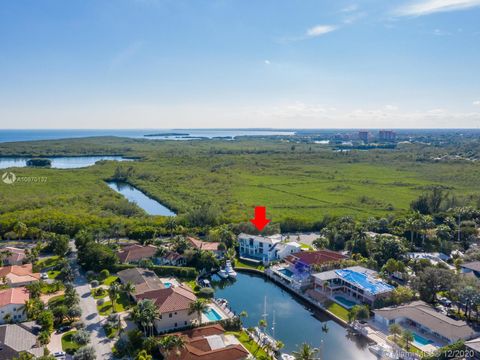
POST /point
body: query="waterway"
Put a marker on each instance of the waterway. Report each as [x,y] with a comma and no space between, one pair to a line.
[62,162]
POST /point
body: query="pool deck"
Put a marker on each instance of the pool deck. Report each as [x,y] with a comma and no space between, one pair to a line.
[223,312]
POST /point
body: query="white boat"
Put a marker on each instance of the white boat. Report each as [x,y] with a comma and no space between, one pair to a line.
[383,351]
[287,357]
[222,273]
[229,269]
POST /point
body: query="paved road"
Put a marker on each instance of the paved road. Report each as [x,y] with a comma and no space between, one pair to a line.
[90,317]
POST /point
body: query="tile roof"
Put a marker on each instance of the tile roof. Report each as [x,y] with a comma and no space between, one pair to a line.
[16,338]
[144,280]
[209,343]
[475,266]
[422,313]
[170,299]
[473,344]
[17,255]
[136,252]
[203,245]
[14,296]
[318,257]
[19,273]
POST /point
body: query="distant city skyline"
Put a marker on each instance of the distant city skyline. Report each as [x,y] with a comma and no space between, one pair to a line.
[172,64]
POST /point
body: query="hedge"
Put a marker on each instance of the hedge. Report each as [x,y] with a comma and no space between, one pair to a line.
[182,272]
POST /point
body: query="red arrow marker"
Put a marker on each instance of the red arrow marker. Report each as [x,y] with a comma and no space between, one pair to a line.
[260,220]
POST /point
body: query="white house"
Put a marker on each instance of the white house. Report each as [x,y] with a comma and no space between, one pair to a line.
[12,303]
[265,248]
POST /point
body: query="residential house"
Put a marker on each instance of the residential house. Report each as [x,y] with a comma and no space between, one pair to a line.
[351,285]
[206,246]
[435,258]
[425,322]
[12,303]
[16,257]
[266,249]
[172,258]
[209,343]
[18,275]
[173,304]
[471,268]
[144,280]
[132,254]
[17,338]
[472,349]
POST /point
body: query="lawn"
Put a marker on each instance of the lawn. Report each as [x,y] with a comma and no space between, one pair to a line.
[411,348]
[48,262]
[123,303]
[249,265]
[99,293]
[250,345]
[109,280]
[338,310]
[68,345]
[52,274]
[57,300]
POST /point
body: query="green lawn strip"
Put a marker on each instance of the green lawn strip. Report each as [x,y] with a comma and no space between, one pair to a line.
[249,344]
[48,262]
[68,345]
[110,280]
[52,274]
[411,348]
[99,294]
[55,301]
[122,304]
[50,288]
[248,265]
[110,332]
[338,310]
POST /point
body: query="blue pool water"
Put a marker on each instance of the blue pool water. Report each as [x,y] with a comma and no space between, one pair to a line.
[167,284]
[286,272]
[347,303]
[420,340]
[212,315]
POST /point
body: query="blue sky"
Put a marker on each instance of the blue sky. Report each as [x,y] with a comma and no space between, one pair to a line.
[242,63]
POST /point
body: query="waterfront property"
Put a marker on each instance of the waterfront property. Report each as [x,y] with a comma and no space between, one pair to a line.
[471,268]
[19,275]
[206,246]
[171,258]
[352,285]
[16,256]
[431,328]
[12,302]
[144,280]
[17,338]
[472,349]
[435,258]
[265,248]
[209,343]
[136,252]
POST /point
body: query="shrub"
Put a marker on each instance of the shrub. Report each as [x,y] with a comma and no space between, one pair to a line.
[94,283]
[104,274]
[206,292]
[81,337]
[90,274]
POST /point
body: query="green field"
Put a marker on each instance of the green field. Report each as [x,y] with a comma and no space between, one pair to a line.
[308,183]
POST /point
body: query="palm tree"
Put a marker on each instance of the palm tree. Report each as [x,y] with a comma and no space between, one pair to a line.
[113,291]
[198,307]
[129,288]
[4,254]
[168,343]
[145,313]
[243,314]
[407,336]
[395,330]
[171,225]
[306,352]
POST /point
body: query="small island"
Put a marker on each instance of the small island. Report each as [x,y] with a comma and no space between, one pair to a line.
[167,134]
[39,162]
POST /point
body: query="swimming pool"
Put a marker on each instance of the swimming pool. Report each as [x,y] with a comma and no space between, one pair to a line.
[167,284]
[212,315]
[345,302]
[286,272]
[420,340]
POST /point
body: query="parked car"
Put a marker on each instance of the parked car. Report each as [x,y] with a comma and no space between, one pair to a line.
[59,354]
[63,329]
[44,276]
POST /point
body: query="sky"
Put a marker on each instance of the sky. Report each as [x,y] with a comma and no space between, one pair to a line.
[239,64]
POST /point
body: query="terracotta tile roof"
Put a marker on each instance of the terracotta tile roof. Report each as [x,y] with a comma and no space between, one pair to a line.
[136,252]
[315,257]
[173,256]
[170,299]
[14,296]
[17,255]
[209,343]
[203,245]
[19,273]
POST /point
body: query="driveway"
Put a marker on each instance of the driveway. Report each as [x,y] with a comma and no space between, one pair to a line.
[90,317]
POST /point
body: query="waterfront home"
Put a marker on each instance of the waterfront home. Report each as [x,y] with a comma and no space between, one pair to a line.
[266,248]
[144,280]
[298,267]
[472,348]
[198,244]
[173,304]
[471,268]
[16,257]
[429,326]
[435,258]
[134,253]
[17,338]
[351,285]
[209,343]
[172,258]
[18,275]
[12,303]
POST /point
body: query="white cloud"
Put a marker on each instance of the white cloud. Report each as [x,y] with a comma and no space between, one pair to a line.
[319,30]
[266,62]
[439,32]
[426,7]
[350,8]
[476,102]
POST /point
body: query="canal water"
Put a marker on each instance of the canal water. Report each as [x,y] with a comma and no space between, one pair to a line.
[151,206]
[296,322]
[64,162]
